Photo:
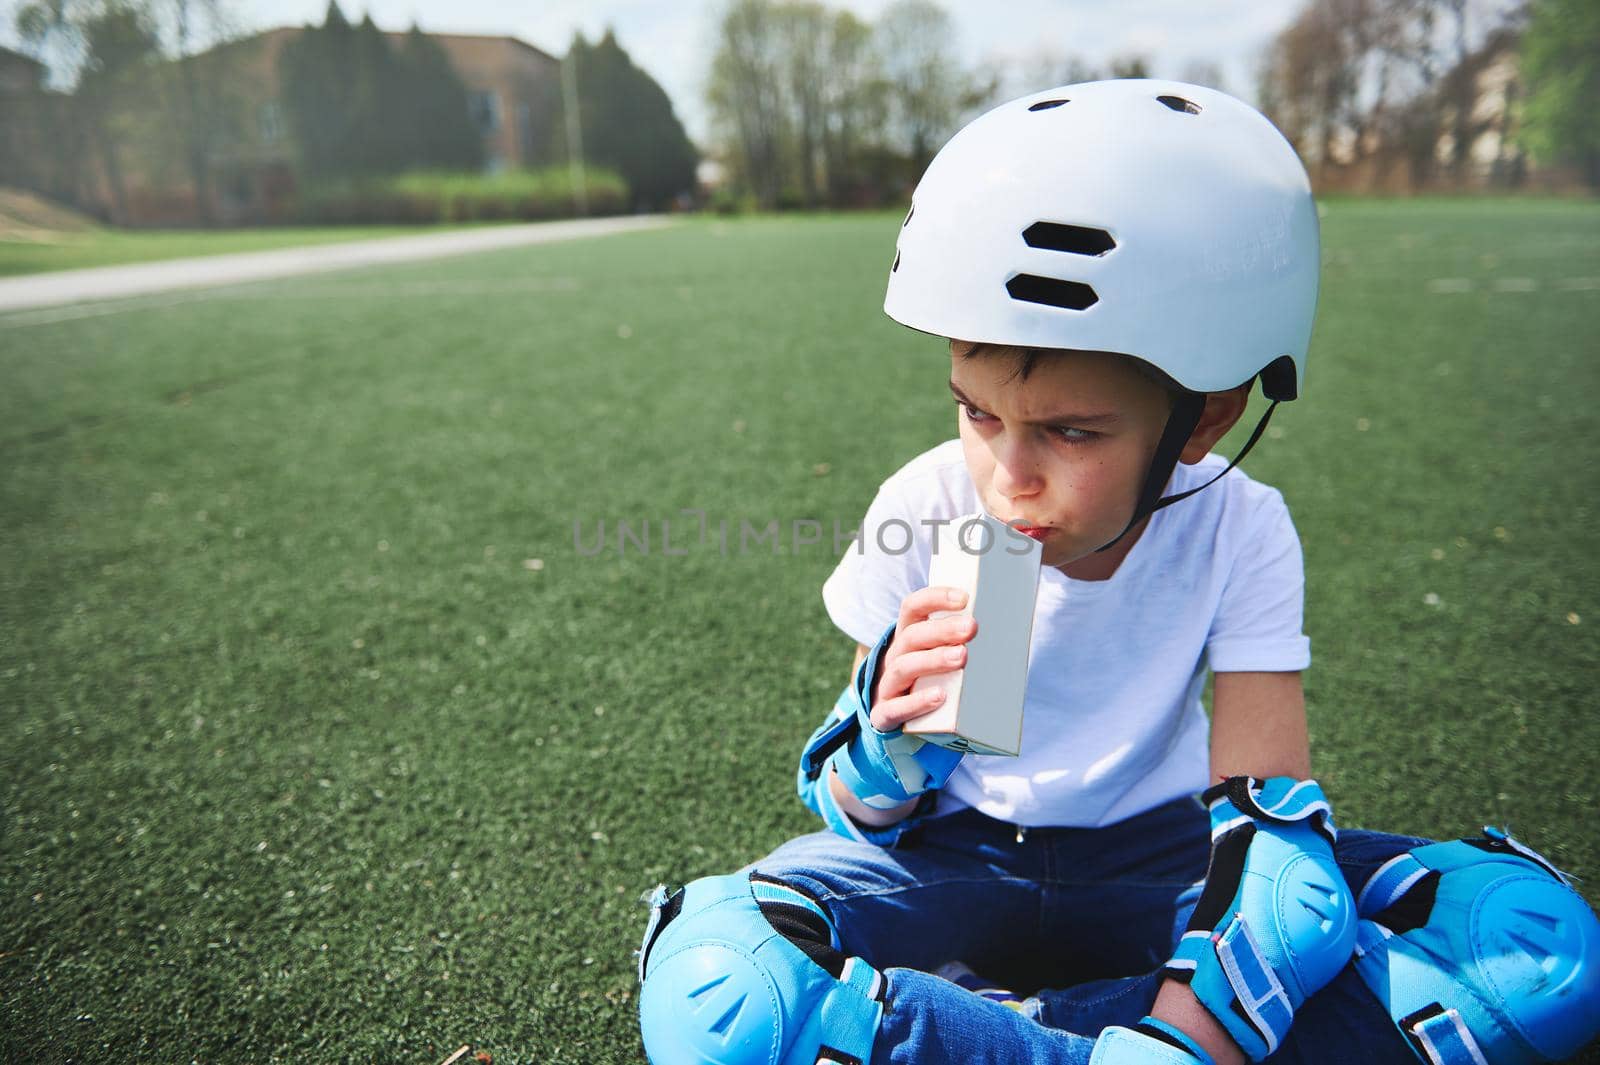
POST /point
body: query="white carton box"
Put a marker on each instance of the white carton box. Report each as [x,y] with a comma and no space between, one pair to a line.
[998,568]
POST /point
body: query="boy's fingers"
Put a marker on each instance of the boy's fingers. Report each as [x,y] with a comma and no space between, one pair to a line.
[892,713]
[903,671]
[937,632]
[924,601]
[919,640]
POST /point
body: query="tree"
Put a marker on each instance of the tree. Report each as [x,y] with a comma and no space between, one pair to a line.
[813,105]
[855,106]
[202,114]
[1131,65]
[103,48]
[1345,71]
[629,125]
[1561,65]
[1204,72]
[805,28]
[745,93]
[317,72]
[117,41]
[433,95]
[357,107]
[1363,85]
[193,117]
[917,42]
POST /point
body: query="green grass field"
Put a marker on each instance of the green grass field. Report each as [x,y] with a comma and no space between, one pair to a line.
[114,247]
[322,741]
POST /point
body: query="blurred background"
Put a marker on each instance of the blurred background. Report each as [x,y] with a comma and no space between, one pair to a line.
[214,113]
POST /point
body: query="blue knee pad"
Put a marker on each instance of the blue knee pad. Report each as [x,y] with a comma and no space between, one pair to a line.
[1481,953]
[747,970]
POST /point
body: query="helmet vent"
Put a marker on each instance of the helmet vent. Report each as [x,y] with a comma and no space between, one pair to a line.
[1078,240]
[896,265]
[909,212]
[1052,292]
[1045,105]
[1178,103]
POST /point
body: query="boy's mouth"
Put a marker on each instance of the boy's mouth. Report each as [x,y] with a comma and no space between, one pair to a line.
[1036,532]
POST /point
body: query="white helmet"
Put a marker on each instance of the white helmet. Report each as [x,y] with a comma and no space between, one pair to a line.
[1152,218]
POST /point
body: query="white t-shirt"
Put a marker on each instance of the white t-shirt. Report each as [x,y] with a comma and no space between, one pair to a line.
[1112,722]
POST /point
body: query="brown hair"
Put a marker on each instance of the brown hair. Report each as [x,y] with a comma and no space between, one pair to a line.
[1029,357]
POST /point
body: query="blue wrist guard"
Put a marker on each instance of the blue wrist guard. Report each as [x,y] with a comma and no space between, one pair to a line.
[1481,953]
[882,769]
[1150,1042]
[1275,921]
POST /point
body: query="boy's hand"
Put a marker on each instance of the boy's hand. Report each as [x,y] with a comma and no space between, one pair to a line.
[923,645]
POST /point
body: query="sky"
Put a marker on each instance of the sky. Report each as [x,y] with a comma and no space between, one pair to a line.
[673,40]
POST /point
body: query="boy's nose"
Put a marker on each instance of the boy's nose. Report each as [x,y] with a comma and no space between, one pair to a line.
[1016,472]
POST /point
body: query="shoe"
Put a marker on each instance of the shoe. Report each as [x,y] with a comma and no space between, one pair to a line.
[961,975]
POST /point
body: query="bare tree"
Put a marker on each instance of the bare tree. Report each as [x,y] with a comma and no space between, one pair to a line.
[103,49]
[745,94]
[917,42]
[193,25]
[1330,74]
[1043,67]
[805,28]
[1204,72]
[1130,65]
[814,104]
[855,97]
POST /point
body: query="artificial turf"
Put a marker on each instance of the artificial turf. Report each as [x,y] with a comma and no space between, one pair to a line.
[325,740]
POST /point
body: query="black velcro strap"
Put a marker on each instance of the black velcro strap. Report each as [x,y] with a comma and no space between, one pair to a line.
[1412,910]
[803,927]
[1222,878]
[1237,790]
[838,735]
[839,1057]
[669,909]
[786,885]
[1408,1024]
[1152,1032]
[806,931]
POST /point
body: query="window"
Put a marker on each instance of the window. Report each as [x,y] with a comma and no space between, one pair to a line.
[269,122]
[484,107]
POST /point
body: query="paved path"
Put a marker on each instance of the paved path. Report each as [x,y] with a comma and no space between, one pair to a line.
[139,279]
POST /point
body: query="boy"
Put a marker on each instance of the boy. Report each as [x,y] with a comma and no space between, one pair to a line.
[1113,264]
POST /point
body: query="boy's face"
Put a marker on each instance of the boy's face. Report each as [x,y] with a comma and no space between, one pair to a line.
[1067,449]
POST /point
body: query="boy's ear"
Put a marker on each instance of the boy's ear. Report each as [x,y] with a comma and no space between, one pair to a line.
[1223,409]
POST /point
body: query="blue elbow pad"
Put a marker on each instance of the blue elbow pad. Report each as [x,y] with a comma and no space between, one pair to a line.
[1276,920]
[882,769]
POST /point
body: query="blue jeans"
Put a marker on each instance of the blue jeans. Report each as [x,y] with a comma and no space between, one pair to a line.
[1079,919]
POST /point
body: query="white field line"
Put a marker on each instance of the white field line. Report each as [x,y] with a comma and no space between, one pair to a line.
[336,290]
[1445,286]
[140,279]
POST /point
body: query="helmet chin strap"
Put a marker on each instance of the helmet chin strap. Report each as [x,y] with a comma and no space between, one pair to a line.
[1181,422]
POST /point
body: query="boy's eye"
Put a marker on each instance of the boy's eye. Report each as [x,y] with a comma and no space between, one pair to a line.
[1066,433]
